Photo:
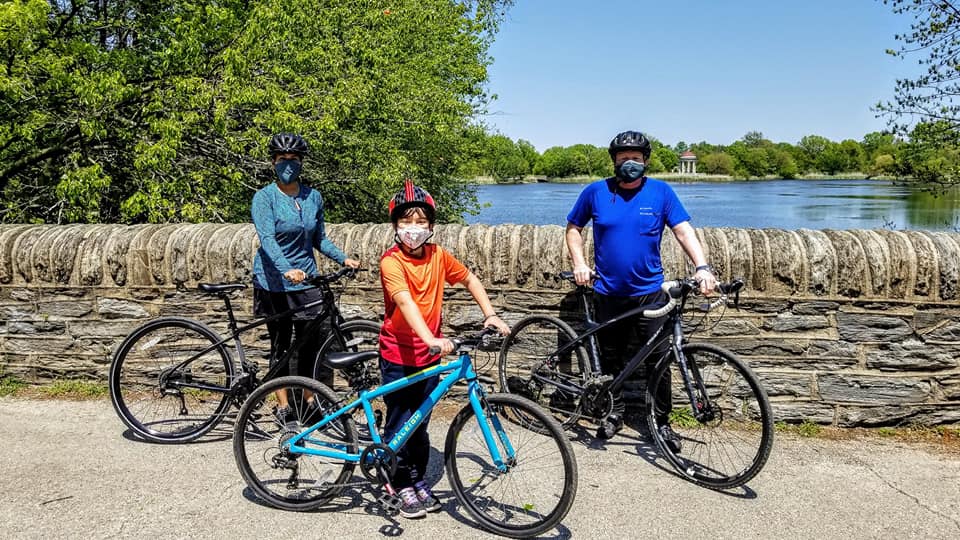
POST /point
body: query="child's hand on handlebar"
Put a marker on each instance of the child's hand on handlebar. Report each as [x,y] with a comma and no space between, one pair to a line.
[444,345]
[495,321]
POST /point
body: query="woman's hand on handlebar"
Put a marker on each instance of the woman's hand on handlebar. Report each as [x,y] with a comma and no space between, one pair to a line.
[707,281]
[352,263]
[582,274]
[444,345]
[295,276]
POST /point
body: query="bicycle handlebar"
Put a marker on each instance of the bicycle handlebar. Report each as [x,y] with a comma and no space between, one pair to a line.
[470,341]
[678,289]
[323,279]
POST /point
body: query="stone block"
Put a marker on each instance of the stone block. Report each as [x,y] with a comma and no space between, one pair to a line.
[73,309]
[115,308]
[786,384]
[870,389]
[788,322]
[912,355]
[859,327]
[734,327]
[795,412]
[815,308]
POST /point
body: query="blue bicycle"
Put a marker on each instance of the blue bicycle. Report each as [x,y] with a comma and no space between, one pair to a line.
[512,467]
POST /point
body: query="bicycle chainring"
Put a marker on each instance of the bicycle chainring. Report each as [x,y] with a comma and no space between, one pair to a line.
[597,400]
[376,460]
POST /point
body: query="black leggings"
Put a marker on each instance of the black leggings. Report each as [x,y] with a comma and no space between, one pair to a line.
[620,341]
[281,336]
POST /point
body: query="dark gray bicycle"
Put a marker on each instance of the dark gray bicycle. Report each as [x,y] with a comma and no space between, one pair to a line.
[710,398]
[174,379]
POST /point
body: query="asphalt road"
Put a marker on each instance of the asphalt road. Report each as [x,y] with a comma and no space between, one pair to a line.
[69,470]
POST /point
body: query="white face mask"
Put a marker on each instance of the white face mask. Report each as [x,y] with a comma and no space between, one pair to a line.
[414,236]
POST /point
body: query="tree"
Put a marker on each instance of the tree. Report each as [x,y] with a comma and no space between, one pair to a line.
[667,158]
[717,163]
[159,110]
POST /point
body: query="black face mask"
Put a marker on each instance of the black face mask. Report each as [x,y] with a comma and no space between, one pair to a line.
[630,171]
[288,170]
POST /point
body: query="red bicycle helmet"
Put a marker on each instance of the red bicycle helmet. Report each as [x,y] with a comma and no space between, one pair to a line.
[409,197]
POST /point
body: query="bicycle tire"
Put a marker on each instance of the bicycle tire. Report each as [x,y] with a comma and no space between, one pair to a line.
[544,492]
[358,335]
[297,482]
[729,450]
[528,363]
[163,413]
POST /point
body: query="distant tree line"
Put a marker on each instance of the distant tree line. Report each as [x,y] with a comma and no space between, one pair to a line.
[753,156]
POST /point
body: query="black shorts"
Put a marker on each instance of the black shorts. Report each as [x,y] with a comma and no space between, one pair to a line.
[267,303]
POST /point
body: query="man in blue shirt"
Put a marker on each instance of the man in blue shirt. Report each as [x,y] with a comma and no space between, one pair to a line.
[629,212]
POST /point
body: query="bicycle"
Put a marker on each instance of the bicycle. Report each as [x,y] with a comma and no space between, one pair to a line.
[173,379]
[515,481]
[715,403]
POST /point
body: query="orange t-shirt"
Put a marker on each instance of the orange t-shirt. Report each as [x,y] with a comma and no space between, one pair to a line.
[424,279]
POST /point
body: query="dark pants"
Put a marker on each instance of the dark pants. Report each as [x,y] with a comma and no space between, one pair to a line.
[282,331]
[620,341]
[413,456]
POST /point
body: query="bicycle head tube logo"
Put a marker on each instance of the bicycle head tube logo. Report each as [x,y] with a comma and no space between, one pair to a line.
[406,429]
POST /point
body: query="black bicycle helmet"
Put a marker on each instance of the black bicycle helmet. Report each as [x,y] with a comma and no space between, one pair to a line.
[630,140]
[288,143]
[411,196]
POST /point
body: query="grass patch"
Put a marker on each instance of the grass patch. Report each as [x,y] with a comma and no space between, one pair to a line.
[10,386]
[803,429]
[73,389]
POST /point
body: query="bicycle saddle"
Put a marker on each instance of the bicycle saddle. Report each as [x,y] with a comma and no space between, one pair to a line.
[220,287]
[340,360]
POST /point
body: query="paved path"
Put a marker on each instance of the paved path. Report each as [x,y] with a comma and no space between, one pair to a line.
[67,470]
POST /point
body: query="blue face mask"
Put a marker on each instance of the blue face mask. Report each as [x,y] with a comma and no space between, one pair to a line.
[288,170]
[630,170]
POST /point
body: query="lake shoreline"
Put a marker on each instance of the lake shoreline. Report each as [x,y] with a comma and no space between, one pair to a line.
[681,178]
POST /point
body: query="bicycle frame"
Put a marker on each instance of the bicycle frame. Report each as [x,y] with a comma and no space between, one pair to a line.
[459,369]
[329,311]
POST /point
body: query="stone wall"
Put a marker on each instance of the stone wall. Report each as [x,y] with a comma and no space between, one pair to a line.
[844,327]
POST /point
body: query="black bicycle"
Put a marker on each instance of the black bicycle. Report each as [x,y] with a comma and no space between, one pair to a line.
[711,398]
[173,379]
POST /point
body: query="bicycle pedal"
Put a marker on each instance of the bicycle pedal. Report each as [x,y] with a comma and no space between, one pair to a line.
[390,502]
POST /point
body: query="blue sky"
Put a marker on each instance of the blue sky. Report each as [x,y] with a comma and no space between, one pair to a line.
[569,71]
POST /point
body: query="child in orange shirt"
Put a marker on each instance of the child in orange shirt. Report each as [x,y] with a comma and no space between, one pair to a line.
[413,274]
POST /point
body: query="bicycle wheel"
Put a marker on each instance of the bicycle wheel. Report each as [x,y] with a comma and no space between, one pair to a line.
[355,336]
[540,483]
[283,479]
[531,367]
[731,444]
[161,400]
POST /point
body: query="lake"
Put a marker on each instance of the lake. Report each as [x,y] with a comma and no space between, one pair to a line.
[780,204]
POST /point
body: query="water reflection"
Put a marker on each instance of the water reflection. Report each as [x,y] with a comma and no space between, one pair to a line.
[785,204]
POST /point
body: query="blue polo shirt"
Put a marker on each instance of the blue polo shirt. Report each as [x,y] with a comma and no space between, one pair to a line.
[288,236]
[627,229]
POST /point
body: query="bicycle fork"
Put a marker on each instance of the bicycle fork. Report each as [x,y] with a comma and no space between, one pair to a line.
[700,404]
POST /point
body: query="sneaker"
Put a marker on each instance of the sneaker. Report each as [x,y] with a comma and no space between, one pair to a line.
[410,505]
[670,438]
[286,418]
[610,426]
[429,501]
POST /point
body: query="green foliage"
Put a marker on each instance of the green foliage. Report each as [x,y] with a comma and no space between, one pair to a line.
[10,385]
[159,110]
[667,157]
[576,160]
[74,389]
[716,163]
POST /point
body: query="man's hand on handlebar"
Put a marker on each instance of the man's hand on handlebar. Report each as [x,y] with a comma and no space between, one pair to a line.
[707,281]
[582,274]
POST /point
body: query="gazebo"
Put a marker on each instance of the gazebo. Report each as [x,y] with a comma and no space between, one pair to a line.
[688,163]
